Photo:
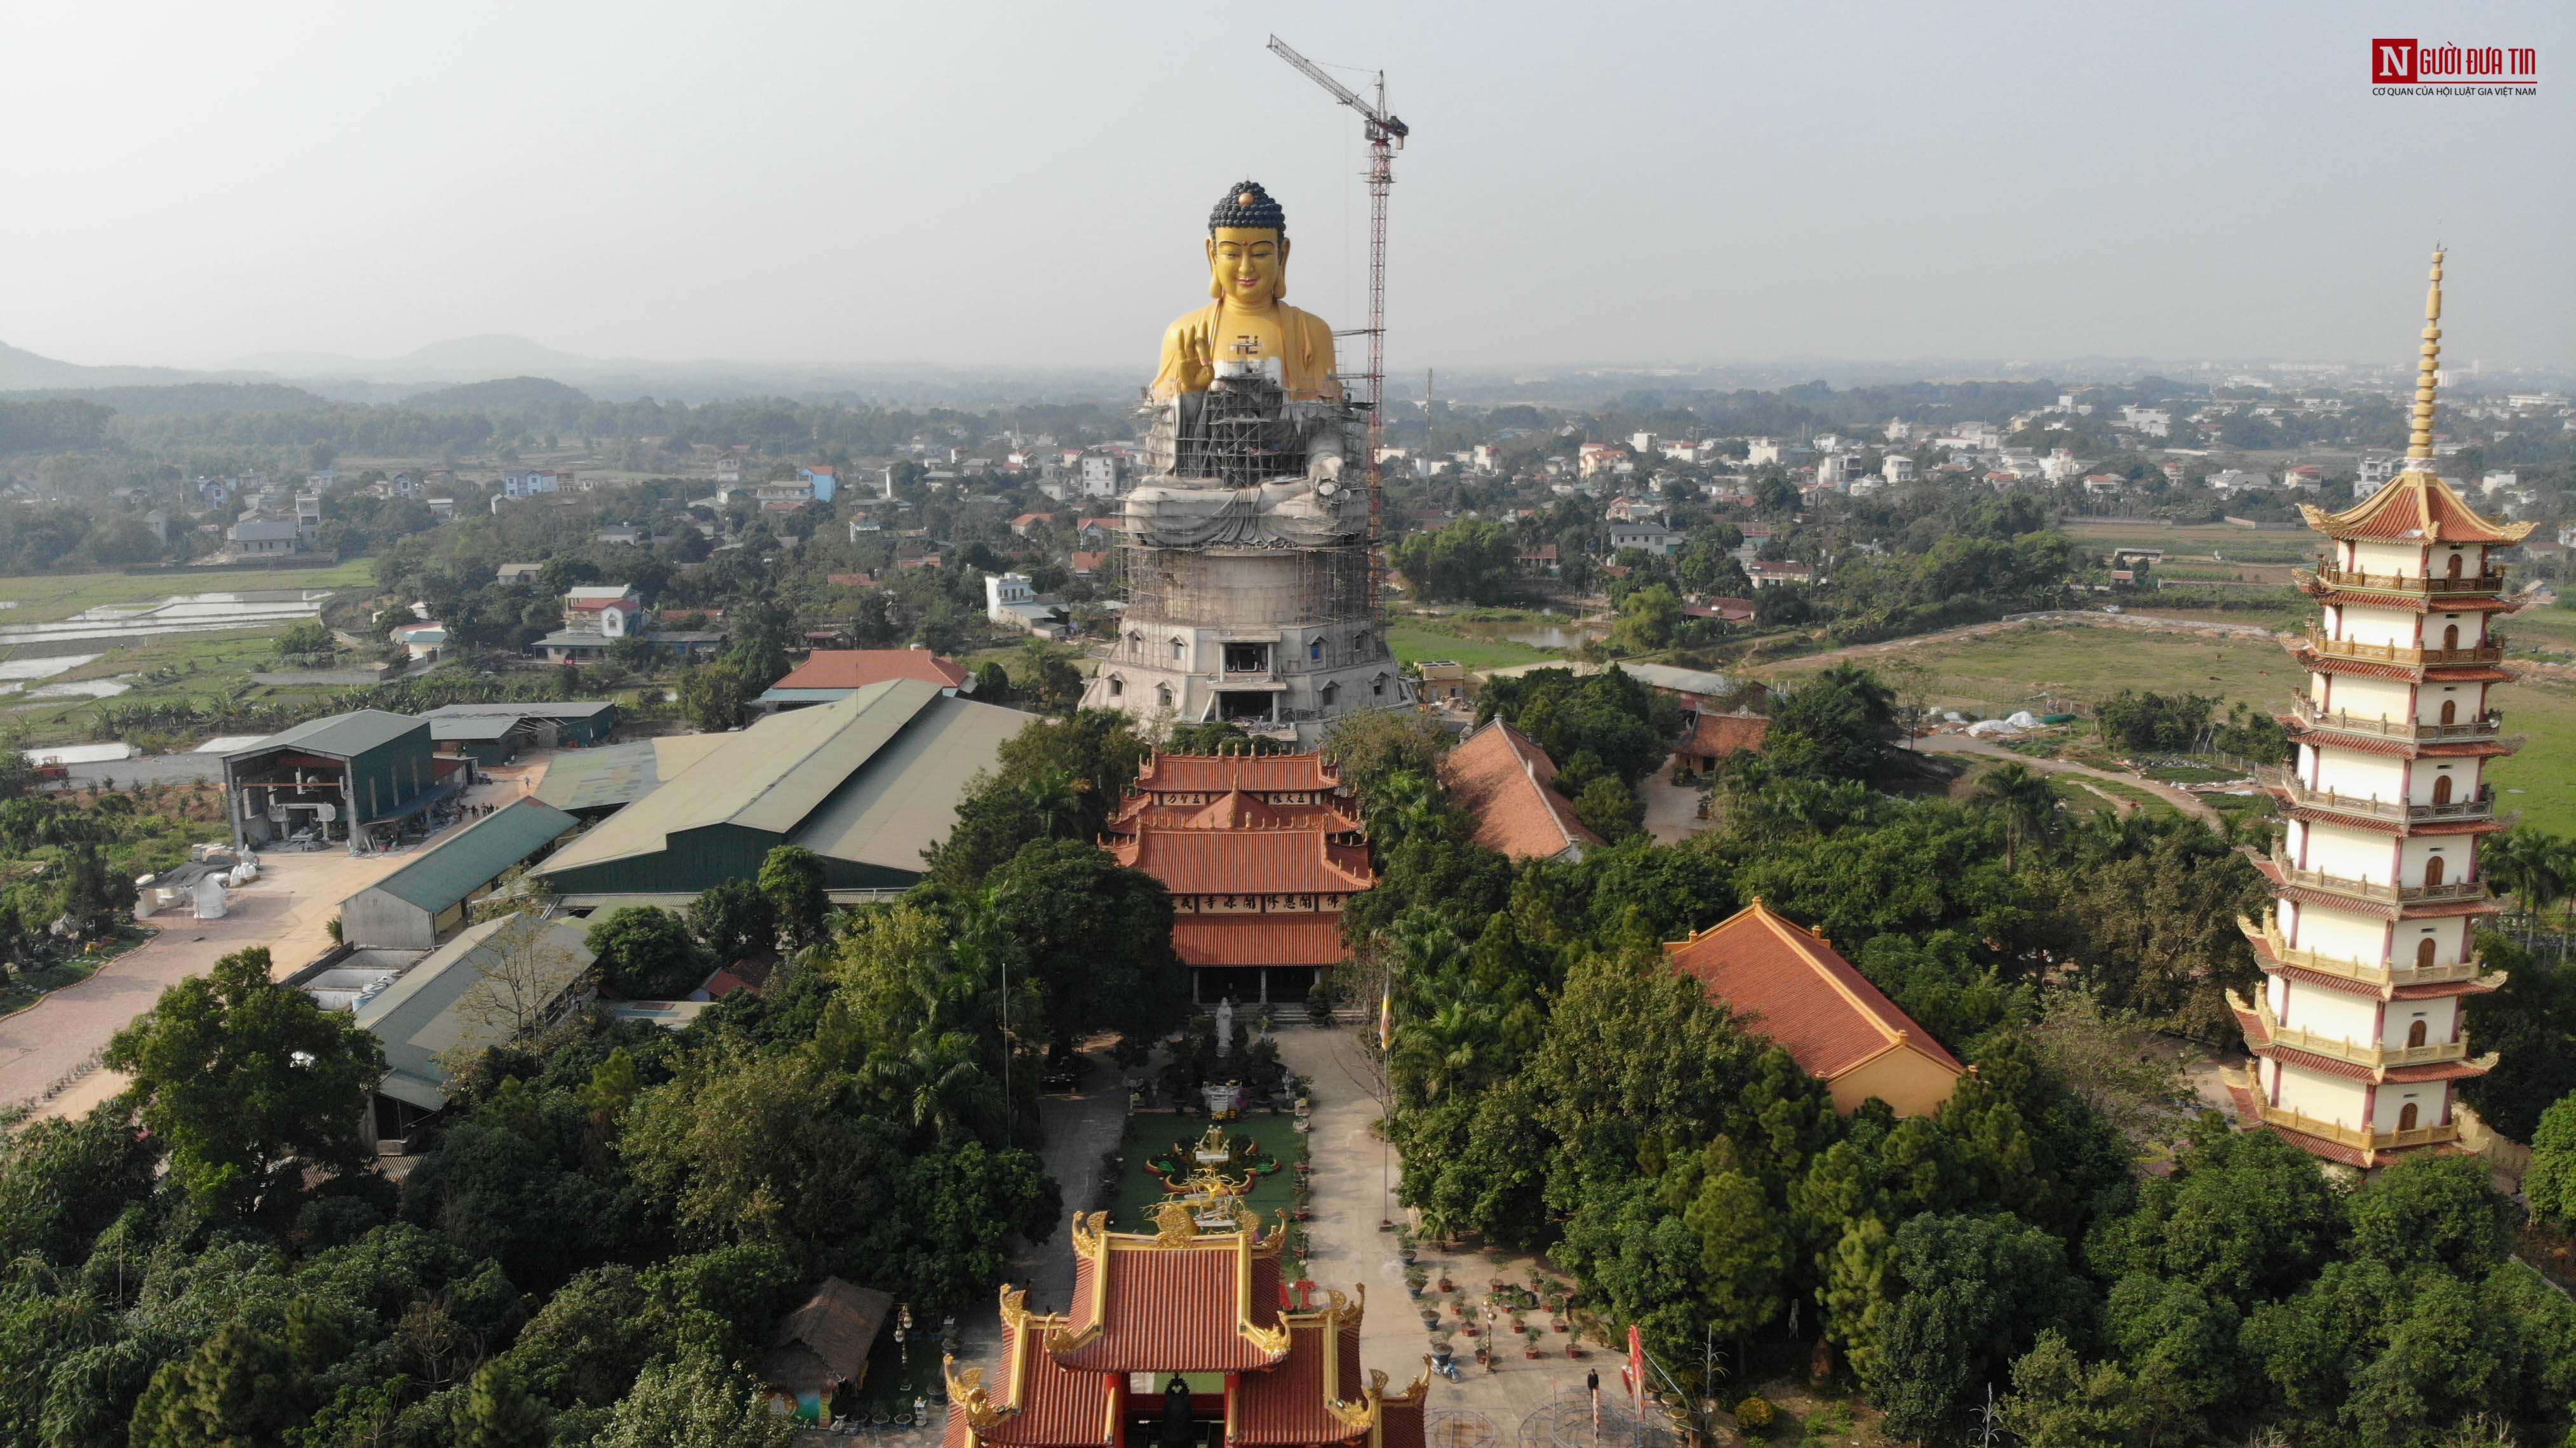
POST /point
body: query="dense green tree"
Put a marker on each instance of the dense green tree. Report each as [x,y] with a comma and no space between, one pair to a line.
[694,1402]
[2530,1022]
[791,879]
[2245,1216]
[498,1412]
[1622,723]
[1473,559]
[2550,1184]
[64,1180]
[236,1388]
[1975,1293]
[1056,779]
[2060,1401]
[646,953]
[249,1085]
[751,1148]
[1839,724]
[1094,937]
[734,919]
[2427,1210]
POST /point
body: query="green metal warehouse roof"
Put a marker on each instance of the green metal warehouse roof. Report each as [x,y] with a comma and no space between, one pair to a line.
[347,735]
[597,778]
[420,1020]
[777,775]
[469,859]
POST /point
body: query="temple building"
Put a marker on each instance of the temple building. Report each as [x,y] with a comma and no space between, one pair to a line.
[1247,548]
[1260,853]
[1786,981]
[2370,946]
[1149,1307]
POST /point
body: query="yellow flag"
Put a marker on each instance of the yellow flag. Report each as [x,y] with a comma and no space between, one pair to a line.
[1386,1021]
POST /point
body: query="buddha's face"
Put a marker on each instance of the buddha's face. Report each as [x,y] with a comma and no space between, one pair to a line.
[1247,265]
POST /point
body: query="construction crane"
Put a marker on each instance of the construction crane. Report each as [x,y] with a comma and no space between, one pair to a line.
[1385,137]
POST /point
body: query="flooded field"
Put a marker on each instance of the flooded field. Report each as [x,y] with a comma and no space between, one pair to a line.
[122,623]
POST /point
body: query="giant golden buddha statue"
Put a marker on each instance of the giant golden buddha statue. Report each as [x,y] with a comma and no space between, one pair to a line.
[1247,253]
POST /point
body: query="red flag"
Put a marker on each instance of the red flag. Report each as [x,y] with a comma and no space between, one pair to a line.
[1636,1364]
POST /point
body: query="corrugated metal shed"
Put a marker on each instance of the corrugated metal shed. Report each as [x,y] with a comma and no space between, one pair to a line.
[476,855]
[349,734]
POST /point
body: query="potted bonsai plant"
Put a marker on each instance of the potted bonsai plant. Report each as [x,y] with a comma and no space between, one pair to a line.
[1405,1245]
[1445,1284]
[1530,1338]
[1442,1351]
[1414,1278]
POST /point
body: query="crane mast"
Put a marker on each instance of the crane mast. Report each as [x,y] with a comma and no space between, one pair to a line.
[1385,137]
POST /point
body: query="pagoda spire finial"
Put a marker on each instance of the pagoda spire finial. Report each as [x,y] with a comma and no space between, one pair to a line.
[2419,445]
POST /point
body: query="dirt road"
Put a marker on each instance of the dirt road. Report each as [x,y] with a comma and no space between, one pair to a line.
[1963,744]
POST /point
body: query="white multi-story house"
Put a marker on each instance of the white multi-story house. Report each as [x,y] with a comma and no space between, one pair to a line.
[1896,468]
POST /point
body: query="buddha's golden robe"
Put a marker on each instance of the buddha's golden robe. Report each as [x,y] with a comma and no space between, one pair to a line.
[1197,339]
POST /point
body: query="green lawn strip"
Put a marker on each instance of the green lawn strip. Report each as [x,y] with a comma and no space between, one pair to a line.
[1414,643]
[2152,803]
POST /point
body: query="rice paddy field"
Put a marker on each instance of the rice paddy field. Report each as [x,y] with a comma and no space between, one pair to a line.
[71,642]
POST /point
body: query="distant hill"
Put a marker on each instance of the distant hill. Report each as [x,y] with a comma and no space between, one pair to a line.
[454,360]
[186,399]
[23,371]
[506,394]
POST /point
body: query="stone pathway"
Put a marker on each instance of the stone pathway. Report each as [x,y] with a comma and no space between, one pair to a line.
[1351,1163]
[1672,810]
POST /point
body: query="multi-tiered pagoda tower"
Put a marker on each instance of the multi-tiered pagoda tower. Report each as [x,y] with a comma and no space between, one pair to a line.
[2369,950]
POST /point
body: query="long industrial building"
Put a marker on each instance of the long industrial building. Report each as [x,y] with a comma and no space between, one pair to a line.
[867,783]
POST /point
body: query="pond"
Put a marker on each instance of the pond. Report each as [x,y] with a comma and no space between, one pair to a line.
[1552,637]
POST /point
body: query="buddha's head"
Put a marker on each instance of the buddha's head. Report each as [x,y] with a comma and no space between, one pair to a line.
[1247,248]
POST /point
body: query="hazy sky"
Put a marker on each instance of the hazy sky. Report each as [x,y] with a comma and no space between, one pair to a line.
[962,183]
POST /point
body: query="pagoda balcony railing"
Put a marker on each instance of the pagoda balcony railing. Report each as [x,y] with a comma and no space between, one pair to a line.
[2305,710]
[2335,1131]
[2416,584]
[2407,654]
[2301,793]
[2383,894]
[2378,973]
[2373,1054]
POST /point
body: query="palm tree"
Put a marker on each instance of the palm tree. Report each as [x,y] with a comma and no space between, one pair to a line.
[937,1085]
[2024,799]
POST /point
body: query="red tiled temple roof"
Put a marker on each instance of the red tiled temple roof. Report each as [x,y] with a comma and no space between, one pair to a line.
[1314,1396]
[2414,507]
[1259,861]
[1178,1300]
[1501,778]
[1788,984]
[1172,1302]
[1216,773]
[1038,1403]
